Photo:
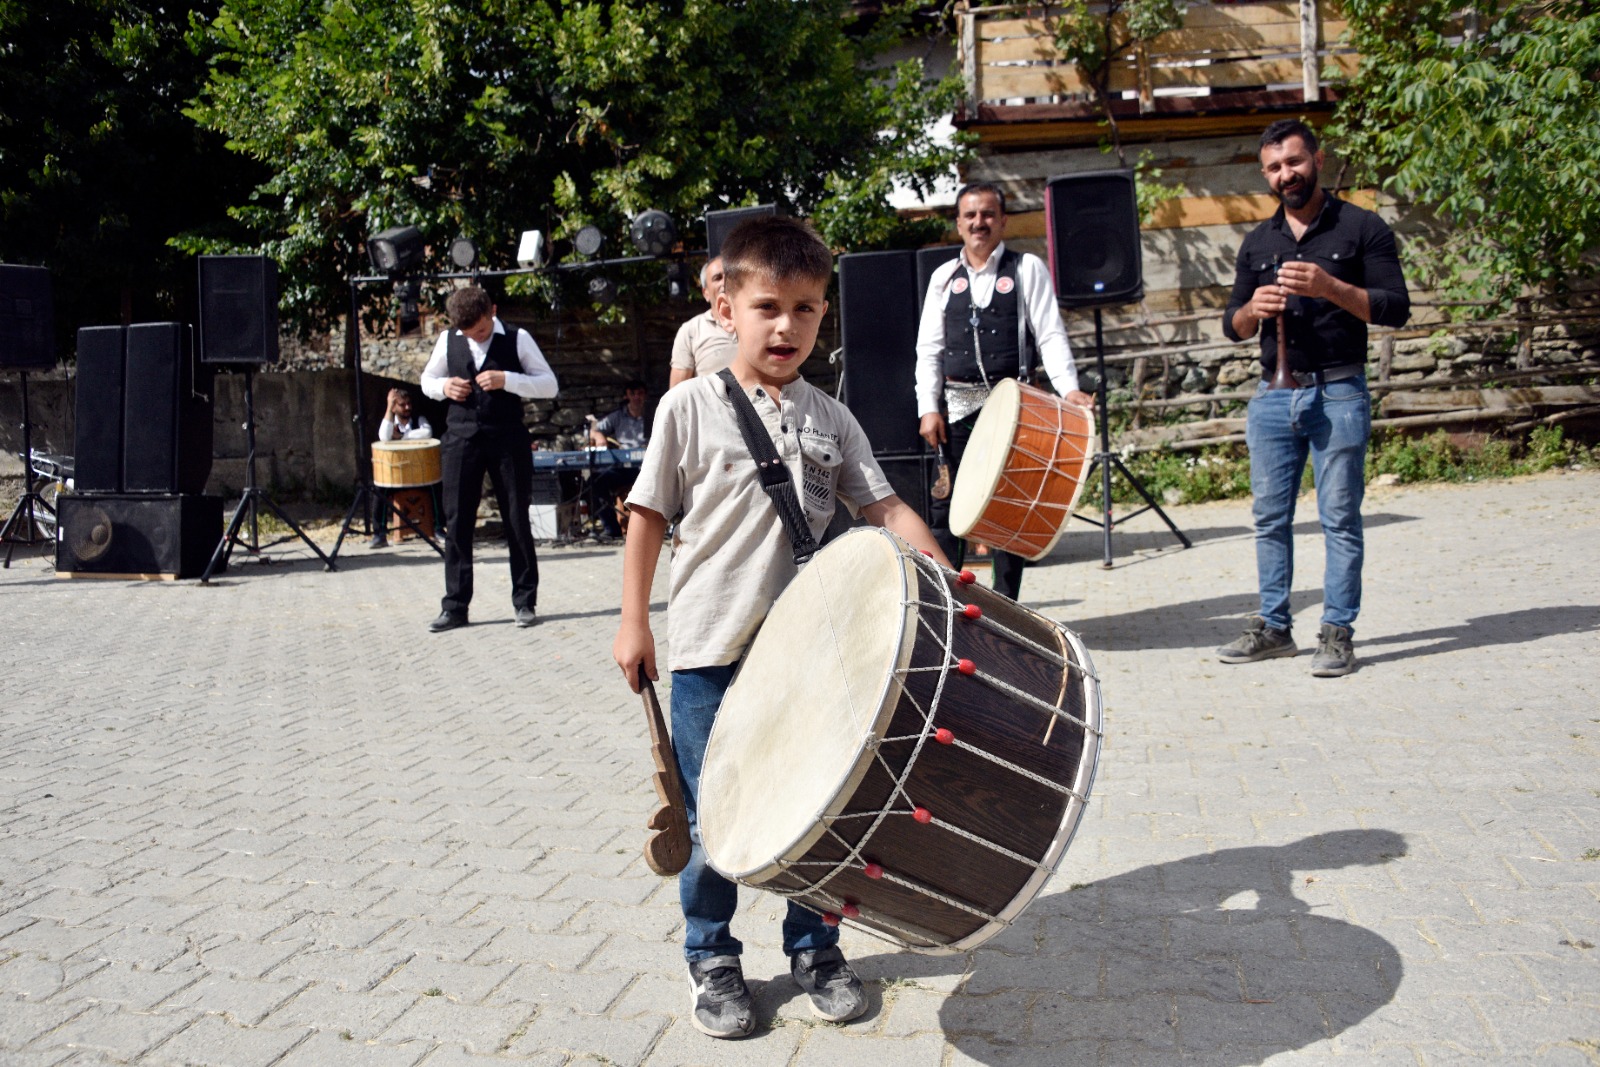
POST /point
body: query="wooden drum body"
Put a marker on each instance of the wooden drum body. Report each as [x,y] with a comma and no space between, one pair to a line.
[406,464]
[902,749]
[1022,470]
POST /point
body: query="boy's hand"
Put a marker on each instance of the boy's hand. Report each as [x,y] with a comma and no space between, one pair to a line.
[635,646]
[457,388]
[492,379]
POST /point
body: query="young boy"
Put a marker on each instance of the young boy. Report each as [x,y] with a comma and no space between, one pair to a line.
[732,557]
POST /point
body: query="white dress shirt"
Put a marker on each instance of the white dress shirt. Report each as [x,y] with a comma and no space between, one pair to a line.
[416,430]
[1037,296]
[536,382]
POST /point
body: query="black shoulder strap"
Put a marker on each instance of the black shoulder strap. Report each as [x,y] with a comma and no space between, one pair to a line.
[1013,260]
[774,472]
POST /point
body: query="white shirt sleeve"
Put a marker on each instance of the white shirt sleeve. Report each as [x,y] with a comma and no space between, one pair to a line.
[537,381]
[1044,318]
[930,339]
[437,368]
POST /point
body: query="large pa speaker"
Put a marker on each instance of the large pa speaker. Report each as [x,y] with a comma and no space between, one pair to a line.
[721,223]
[97,429]
[1093,225]
[878,329]
[136,536]
[928,261]
[910,477]
[27,319]
[166,415]
[238,309]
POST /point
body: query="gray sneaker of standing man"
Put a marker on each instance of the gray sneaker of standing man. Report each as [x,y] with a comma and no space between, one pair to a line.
[1259,641]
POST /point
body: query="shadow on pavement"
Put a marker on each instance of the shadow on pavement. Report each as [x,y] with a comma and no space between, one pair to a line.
[1205,623]
[1212,958]
[1507,628]
[1153,537]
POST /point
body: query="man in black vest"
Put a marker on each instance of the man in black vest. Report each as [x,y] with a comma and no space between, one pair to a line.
[483,372]
[986,310]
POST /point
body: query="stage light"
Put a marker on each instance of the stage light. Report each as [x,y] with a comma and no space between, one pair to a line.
[588,241]
[654,233]
[396,250]
[602,291]
[532,249]
[678,280]
[463,253]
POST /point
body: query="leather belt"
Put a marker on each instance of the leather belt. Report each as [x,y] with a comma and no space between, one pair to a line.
[1306,379]
[963,381]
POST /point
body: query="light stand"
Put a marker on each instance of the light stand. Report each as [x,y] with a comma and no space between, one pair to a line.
[1105,459]
[27,509]
[253,498]
[367,498]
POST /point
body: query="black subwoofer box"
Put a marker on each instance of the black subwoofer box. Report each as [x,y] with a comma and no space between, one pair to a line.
[144,536]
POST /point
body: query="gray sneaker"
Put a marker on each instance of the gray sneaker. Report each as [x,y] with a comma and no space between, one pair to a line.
[1335,653]
[1259,641]
[835,991]
[721,1005]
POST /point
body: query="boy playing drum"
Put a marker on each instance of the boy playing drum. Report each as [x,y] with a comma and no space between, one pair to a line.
[731,558]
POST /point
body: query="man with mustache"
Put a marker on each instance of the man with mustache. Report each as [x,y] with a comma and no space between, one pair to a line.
[1320,269]
[983,310]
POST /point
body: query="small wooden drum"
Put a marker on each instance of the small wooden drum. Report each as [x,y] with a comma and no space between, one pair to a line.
[404,464]
[902,748]
[1022,470]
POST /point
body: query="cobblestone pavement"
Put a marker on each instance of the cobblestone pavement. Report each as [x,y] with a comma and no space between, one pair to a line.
[273,821]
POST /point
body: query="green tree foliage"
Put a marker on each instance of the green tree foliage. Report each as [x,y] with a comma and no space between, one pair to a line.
[1497,131]
[491,117]
[98,166]
[1101,36]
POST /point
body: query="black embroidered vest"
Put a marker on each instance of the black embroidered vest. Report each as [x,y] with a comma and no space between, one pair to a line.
[485,409]
[997,331]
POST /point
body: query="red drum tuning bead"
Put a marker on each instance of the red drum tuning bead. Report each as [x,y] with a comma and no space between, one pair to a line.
[966,577]
[944,737]
[872,870]
[925,552]
[972,611]
[966,666]
[851,911]
[922,815]
[830,919]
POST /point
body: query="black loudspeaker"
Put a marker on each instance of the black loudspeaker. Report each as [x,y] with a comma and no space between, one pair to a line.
[136,536]
[721,223]
[166,413]
[878,329]
[97,429]
[928,261]
[238,309]
[910,477]
[27,319]
[1093,225]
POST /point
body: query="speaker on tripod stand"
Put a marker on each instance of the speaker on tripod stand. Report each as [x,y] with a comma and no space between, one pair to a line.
[1092,222]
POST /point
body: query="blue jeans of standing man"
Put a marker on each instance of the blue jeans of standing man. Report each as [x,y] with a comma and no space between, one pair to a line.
[709,899]
[1332,422]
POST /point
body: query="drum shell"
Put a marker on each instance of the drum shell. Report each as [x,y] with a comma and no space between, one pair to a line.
[406,464]
[1028,506]
[969,796]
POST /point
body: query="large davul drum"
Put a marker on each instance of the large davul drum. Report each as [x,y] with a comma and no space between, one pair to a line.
[406,464]
[1022,470]
[902,748]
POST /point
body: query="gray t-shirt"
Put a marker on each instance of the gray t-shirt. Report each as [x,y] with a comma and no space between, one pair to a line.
[703,346]
[731,556]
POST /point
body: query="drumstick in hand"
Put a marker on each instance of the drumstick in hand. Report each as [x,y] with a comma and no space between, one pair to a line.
[667,851]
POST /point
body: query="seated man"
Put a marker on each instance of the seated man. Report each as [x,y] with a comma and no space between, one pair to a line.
[398,424]
[623,428]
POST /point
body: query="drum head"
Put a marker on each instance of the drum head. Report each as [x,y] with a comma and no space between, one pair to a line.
[984,460]
[793,736]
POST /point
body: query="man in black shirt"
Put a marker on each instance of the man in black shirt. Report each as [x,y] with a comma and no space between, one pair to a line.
[1320,269]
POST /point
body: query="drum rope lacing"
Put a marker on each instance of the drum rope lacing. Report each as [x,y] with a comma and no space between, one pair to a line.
[1035,502]
[945,641]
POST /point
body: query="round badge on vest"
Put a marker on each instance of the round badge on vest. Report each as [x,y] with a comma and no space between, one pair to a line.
[959,285]
[1004,286]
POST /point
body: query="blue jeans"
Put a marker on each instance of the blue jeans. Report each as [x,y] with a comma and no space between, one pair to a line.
[708,899]
[1332,422]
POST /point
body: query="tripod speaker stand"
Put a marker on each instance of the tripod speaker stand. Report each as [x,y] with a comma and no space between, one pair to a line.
[367,495]
[1105,460]
[253,499]
[26,513]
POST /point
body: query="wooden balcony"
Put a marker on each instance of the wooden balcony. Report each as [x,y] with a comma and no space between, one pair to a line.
[1227,59]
